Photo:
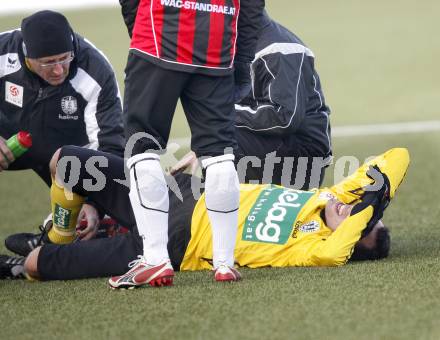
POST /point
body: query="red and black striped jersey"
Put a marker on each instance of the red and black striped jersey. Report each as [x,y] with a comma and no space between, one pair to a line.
[194,36]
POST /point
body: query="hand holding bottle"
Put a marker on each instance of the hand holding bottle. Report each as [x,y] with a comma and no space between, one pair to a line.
[13,148]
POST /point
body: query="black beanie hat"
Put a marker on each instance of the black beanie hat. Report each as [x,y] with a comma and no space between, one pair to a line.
[45,34]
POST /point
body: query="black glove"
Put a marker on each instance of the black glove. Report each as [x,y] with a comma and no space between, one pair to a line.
[243,82]
[377,195]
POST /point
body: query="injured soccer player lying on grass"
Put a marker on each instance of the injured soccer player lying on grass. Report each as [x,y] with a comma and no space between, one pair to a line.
[278,227]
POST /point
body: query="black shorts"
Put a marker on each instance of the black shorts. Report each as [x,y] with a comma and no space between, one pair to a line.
[151,96]
[107,257]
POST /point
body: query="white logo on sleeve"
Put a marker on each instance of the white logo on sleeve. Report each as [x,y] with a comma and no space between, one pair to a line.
[14,94]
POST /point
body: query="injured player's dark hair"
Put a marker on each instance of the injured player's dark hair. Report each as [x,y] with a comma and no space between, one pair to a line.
[379,251]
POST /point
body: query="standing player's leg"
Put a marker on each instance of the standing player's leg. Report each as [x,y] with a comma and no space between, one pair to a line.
[151,95]
[208,104]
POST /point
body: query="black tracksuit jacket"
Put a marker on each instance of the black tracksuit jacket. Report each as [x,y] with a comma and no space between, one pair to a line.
[85,110]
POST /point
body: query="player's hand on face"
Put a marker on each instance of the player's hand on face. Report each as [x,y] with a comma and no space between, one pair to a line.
[188,161]
[91,216]
[376,195]
[6,156]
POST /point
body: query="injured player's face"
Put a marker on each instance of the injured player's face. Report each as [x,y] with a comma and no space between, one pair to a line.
[336,212]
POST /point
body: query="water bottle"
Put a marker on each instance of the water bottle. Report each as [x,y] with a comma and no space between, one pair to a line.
[19,143]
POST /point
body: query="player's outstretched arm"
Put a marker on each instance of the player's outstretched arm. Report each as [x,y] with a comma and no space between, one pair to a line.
[394,163]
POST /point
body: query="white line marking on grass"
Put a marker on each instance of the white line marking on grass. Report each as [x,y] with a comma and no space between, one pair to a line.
[385,129]
[365,130]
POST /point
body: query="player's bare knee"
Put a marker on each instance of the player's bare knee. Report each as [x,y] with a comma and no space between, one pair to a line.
[31,263]
[54,161]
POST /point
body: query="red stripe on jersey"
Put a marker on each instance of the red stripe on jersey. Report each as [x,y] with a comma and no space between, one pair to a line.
[234,29]
[157,11]
[142,35]
[216,30]
[185,37]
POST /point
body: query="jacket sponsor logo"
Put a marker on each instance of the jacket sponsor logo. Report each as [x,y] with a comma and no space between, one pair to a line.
[61,217]
[199,6]
[14,94]
[310,227]
[271,218]
[69,105]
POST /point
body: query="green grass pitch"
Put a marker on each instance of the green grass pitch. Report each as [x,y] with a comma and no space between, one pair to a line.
[378,63]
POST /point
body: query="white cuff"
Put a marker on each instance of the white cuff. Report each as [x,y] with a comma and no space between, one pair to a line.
[141,157]
[217,159]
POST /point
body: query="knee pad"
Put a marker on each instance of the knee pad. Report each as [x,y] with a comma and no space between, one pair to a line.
[222,189]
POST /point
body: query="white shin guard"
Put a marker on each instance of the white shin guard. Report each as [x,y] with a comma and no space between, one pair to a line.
[150,203]
[222,195]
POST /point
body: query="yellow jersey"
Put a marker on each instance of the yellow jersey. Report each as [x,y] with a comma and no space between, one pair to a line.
[281,227]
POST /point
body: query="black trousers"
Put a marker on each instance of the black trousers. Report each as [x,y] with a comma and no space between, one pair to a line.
[107,257]
[151,95]
[293,161]
[28,163]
